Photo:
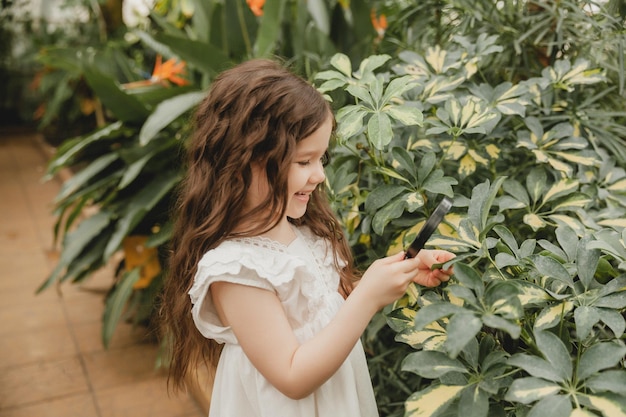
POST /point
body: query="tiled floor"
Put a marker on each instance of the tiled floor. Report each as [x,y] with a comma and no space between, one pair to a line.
[52,363]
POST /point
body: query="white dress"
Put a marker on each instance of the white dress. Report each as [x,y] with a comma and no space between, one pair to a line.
[305,280]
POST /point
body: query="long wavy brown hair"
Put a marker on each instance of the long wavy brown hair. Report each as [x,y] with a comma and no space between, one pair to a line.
[254,113]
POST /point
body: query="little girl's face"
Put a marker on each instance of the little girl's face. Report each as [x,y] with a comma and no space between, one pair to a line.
[305,173]
[307,169]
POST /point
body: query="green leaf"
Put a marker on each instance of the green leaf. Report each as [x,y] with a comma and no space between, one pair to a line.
[371,63]
[483,196]
[535,366]
[390,212]
[116,304]
[555,352]
[598,357]
[76,241]
[431,364]
[350,121]
[204,56]
[403,159]
[568,240]
[81,177]
[138,206]
[497,322]
[65,154]
[615,301]
[379,130]
[551,268]
[363,94]
[166,112]
[319,13]
[507,237]
[614,320]
[517,190]
[381,196]
[432,400]
[608,381]
[468,277]
[397,87]
[432,312]
[585,317]
[133,170]
[89,261]
[474,402]
[126,107]
[461,328]
[553,406]
[270,27]
[536,183]
[586,261]
[529,390]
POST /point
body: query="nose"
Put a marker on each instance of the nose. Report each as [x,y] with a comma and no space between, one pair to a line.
[318,175]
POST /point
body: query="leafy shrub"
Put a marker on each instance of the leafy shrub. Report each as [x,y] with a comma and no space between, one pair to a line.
[532,322]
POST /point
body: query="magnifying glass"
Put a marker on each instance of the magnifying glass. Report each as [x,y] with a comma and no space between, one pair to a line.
[429,227]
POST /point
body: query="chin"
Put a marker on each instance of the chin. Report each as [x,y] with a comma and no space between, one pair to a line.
[296,214]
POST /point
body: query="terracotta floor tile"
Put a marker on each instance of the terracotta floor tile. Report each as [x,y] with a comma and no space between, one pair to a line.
[50,343]
[31,316]
[123,366]
[86,309]
[81,405]
[147,398]
[42,381]
[88,337]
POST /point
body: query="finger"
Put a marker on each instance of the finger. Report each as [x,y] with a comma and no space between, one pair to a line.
[394,258]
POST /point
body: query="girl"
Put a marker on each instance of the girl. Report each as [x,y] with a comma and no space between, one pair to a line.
[261,277]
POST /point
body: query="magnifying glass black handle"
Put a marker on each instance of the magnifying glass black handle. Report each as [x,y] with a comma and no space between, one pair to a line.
[429,227]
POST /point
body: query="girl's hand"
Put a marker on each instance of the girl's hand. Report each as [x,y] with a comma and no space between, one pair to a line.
[387,279]
[426,275]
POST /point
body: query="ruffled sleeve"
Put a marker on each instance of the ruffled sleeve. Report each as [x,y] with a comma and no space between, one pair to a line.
[245,264]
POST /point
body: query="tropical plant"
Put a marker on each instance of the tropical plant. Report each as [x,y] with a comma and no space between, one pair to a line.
[532,322]
[116,206]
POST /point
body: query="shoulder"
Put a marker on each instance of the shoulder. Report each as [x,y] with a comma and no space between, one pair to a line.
[258,257]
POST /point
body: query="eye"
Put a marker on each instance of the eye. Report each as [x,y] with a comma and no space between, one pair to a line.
[325,159]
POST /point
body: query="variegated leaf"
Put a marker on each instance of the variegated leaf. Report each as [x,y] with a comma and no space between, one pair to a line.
[579,412]
[563,187]
[530,389]
[534,221]
[608,406]
[577,158]
[467,166]
[551,316]
[342,63]
[407,115]
[432,400]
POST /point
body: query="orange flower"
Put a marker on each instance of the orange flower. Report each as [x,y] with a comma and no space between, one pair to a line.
[256,6]
[136,254]
[168,71]
[164,72]
[379,23]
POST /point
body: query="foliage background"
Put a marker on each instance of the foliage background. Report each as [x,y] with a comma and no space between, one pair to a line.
[514,108]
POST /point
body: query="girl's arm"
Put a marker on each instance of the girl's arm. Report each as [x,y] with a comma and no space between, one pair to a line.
[263,331]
